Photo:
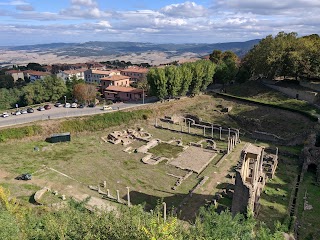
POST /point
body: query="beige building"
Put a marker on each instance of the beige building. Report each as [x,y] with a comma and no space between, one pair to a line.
[135,73]
[94,76]
[115,80]
[15,74]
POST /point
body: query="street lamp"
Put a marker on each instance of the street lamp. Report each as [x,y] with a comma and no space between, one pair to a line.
[65,100]
[142,95]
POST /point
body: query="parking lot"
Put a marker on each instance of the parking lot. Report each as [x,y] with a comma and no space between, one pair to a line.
[60,112]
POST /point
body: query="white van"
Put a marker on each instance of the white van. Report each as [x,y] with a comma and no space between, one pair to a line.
[106,108]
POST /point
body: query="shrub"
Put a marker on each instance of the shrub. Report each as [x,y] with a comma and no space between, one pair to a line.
[99,122]
[19,133]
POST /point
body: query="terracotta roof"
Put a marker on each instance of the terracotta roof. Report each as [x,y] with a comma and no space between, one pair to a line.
[37,73]
[136,70]
[115,78]
[123,89]
[74,71]
[102,72]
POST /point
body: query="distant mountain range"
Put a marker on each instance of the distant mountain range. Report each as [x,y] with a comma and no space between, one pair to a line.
[113,48]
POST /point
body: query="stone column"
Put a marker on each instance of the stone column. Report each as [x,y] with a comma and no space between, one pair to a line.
[220,129]
[108,192]
[128,196]
[104,184]
[228,151]
[277,151]
[118,196]
[156,122]
[238,140]
[204,131]
[189,128]
[212,131]
[164,211]
[228,132]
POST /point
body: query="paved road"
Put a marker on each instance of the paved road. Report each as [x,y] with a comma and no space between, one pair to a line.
[56,113]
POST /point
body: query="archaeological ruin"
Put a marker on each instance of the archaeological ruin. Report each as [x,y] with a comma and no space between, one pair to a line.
[310,155]
[256,165]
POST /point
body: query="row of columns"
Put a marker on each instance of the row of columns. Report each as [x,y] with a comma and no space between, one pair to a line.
[118,194]
[232,142]
[204,129]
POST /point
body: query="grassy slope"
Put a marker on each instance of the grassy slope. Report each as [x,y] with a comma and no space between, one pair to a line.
[257,91]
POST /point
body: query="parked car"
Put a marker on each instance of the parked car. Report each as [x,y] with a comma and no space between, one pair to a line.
[23,111]
[106,108]
[81,105]
[67,105]
[41,108]
[16,113]
[57,104]
[74,105]
[25,176]
[47,107]
[91,105]
[5,114]
[30,110]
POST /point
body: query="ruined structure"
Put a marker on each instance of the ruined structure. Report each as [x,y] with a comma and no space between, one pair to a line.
[310,155]
[255,166]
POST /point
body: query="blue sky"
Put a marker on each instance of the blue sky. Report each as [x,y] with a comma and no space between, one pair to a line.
[198,21]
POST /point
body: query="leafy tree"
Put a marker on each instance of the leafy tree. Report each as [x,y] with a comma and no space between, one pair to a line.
[197,78]
[84,92]
[158,82]
[216,56]
[173,76]
[186,72]
[6,81]
[209,70]
[35,67]
[54,87]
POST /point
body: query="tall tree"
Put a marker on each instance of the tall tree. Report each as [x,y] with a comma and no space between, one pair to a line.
[209,70]
[187,75]
[173,76]
[84,92]
[198,74]
[55,88]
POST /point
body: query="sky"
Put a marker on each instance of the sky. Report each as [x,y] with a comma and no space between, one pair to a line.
[24,22]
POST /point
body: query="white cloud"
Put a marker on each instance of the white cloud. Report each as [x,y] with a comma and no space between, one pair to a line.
[89,3]
[104,24]
[186,10]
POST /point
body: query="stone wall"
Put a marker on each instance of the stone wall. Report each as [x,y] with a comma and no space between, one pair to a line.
[308,96]
[241,196]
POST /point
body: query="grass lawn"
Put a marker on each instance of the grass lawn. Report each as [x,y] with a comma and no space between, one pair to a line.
[166,150]
[91,161]
[309,219]
[256,91]
[277,192]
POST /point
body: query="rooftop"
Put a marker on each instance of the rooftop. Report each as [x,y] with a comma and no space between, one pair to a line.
[115,78]
[136,70]
[123,89]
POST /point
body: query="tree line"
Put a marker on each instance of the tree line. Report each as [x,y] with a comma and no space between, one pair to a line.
[175,81]
[49,89]
[285,55]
